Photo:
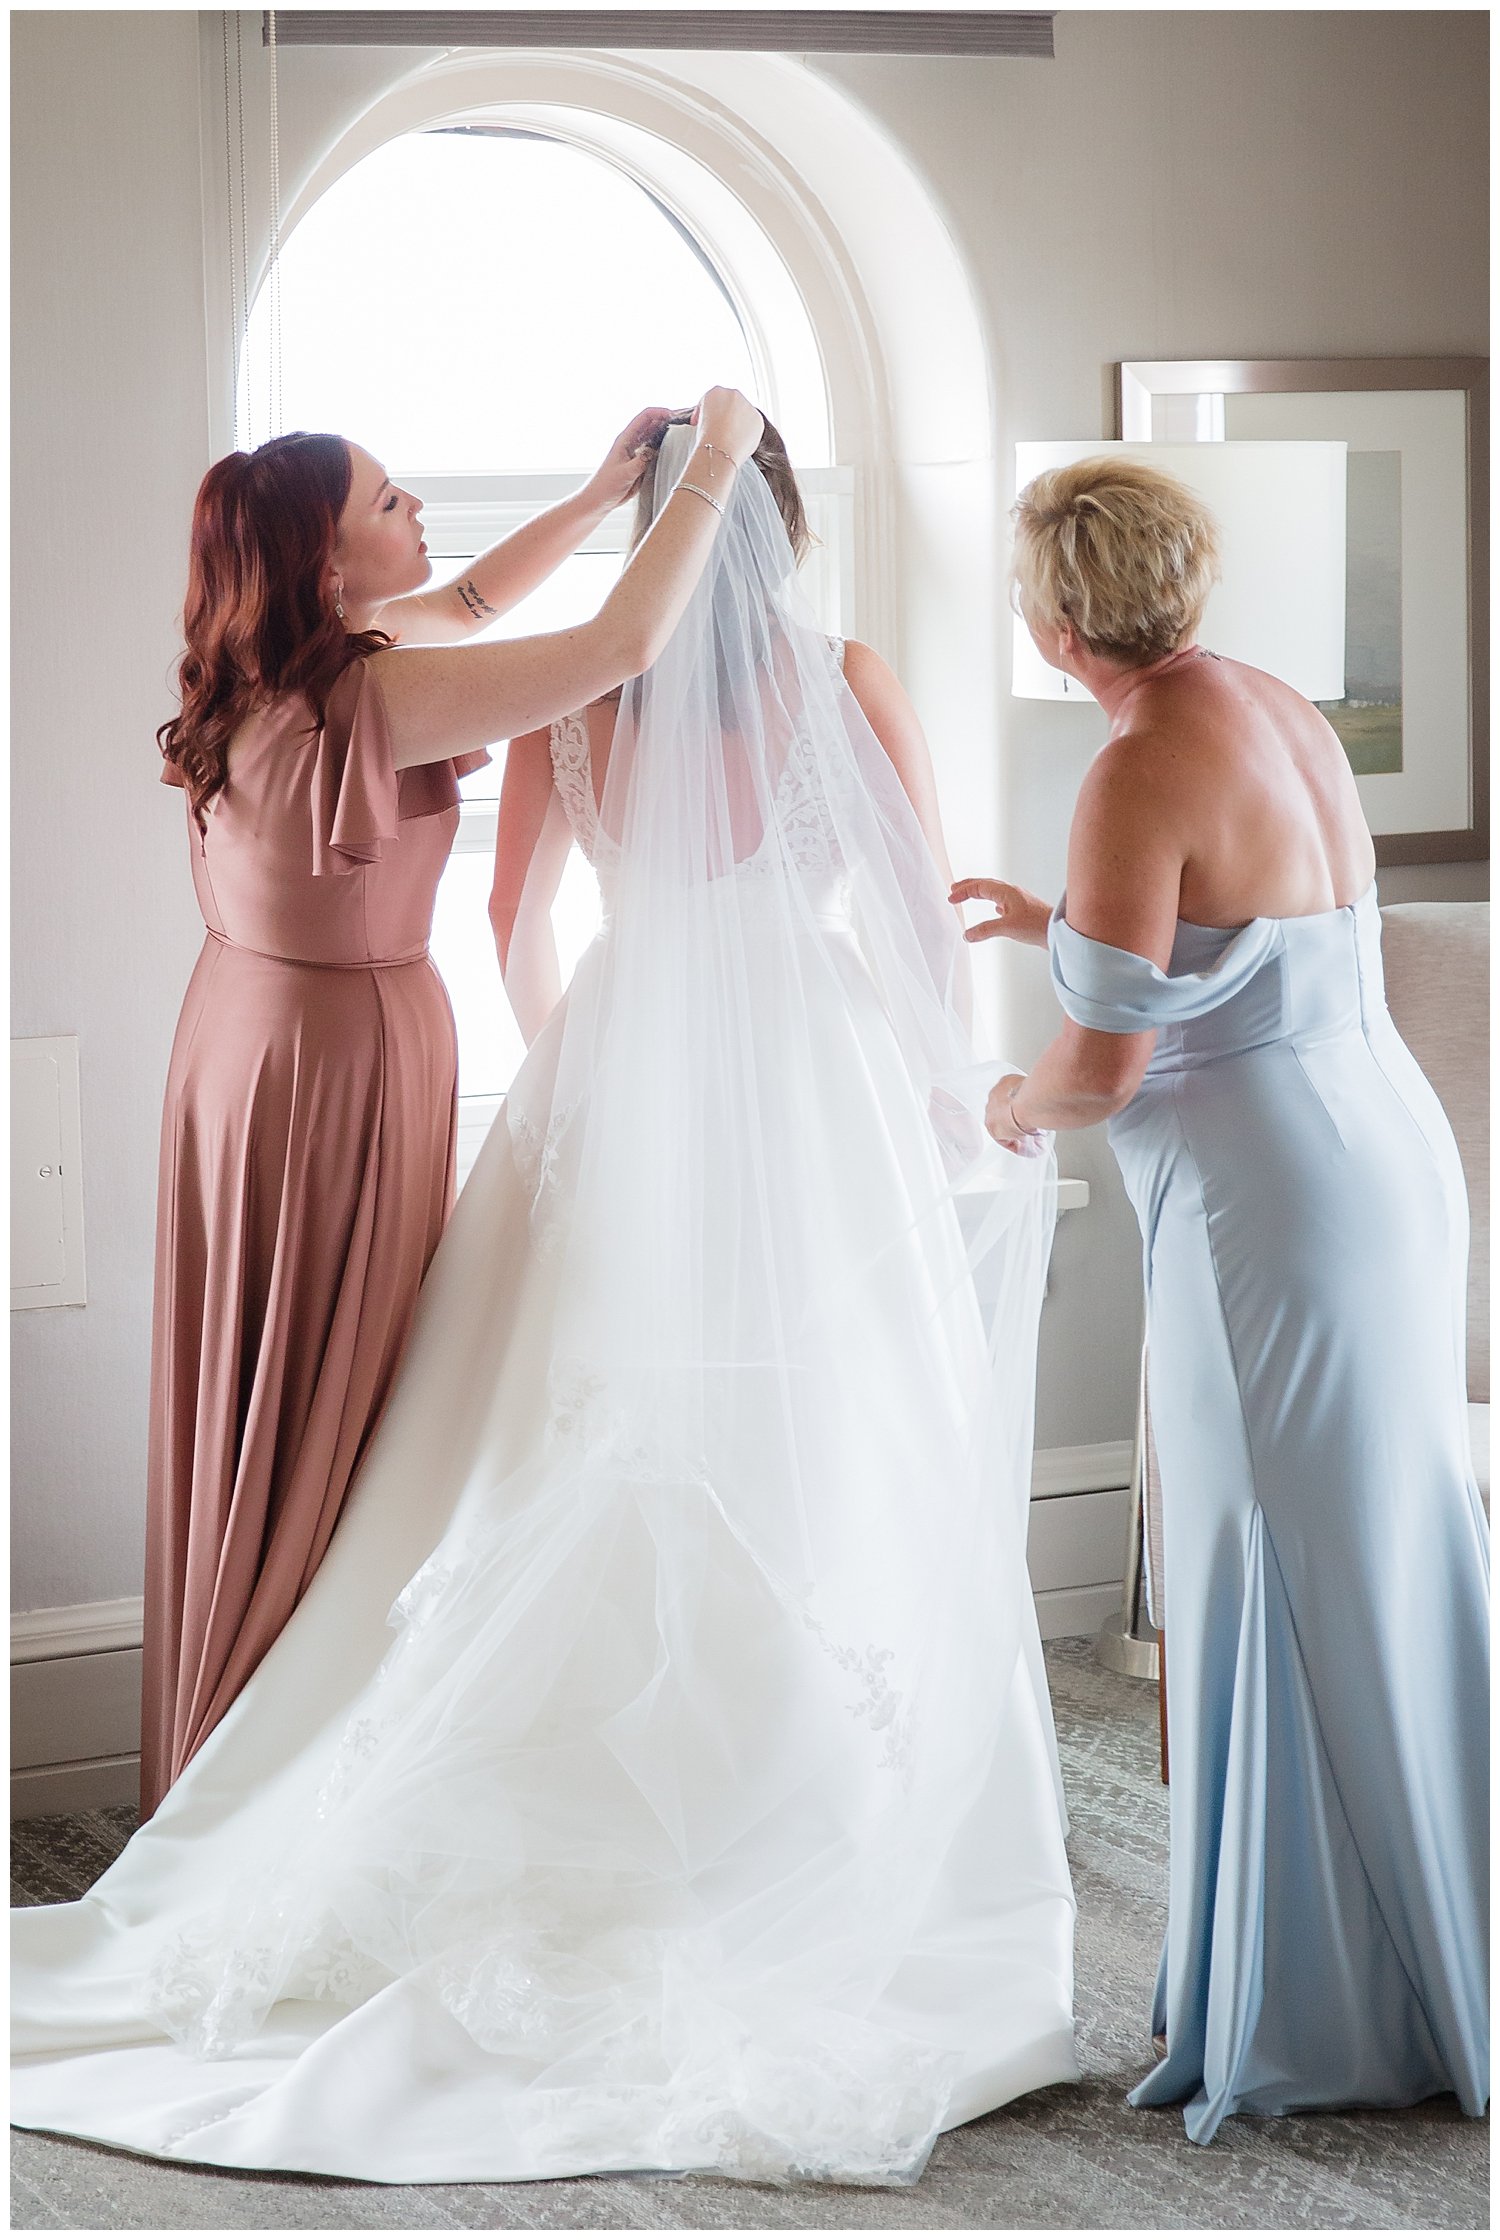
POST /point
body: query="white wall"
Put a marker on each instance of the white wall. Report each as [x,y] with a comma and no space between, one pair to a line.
[1177,184]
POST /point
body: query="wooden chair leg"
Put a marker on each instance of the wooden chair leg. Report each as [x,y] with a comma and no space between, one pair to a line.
[1161,1701]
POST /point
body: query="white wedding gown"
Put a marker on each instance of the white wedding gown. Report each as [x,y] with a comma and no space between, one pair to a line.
[703,1812]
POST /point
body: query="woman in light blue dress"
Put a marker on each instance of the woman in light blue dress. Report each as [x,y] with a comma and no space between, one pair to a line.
[1305,1226]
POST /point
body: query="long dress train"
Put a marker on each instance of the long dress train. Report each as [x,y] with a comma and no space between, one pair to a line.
[703,1812]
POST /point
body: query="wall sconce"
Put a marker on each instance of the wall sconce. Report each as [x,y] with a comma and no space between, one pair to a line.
[1280,508]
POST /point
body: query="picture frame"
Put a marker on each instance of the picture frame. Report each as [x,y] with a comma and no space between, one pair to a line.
[1415,716]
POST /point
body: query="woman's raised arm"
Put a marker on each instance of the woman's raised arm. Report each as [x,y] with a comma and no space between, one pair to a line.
[447,700]
[501,577]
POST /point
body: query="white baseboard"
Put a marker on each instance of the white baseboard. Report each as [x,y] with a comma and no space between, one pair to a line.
[1089,1469]
[75,1680]
[1078,1540]
[85,1785]
[1065,1610]
[78,1629]
[75,1722]
[83,1628]
[91,1784]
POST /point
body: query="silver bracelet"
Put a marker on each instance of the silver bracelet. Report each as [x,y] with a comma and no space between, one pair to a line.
[705,445]
[699,492]
[1019,1127]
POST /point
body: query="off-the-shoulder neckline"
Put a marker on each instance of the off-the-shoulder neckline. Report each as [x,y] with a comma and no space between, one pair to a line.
[1230,933]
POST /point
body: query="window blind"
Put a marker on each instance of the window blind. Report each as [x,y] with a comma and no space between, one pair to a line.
[956,31]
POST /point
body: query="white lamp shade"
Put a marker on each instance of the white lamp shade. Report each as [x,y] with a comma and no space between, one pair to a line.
[1280,509]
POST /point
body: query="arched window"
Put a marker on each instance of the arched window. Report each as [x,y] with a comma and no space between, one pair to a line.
[483,306]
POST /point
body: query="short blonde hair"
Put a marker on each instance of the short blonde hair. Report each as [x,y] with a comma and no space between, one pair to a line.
[1118,549]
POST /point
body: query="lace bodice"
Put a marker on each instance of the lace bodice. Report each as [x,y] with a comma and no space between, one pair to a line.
[572,774]
[801,813]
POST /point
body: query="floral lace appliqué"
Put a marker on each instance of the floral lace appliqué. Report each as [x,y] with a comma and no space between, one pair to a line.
[572,774]
[537,1151]
[615,1425]
[878,1703]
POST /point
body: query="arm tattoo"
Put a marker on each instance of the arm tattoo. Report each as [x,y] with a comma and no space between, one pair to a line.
[478,606]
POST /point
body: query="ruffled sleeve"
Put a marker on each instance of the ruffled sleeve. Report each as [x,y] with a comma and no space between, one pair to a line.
[358,795]
[1117,992]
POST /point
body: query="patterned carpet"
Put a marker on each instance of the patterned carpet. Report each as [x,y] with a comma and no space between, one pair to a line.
[1074,2157]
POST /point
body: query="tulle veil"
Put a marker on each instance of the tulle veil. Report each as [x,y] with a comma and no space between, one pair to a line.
[688,1784]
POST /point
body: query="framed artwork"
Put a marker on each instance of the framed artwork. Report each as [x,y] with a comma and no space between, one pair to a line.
[1414,714]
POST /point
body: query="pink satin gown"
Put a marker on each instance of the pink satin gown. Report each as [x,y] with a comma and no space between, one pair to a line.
[307,1170]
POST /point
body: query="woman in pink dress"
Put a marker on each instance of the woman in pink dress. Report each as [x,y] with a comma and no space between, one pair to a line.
[307,1159]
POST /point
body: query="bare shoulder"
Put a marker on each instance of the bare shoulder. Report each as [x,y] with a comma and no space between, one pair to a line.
[408,674]
[863,666]
[402,659]
[878,689]
[1134,773]
[1134,818]
[530,745]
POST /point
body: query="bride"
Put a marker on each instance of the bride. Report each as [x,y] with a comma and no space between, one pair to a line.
[701,1811]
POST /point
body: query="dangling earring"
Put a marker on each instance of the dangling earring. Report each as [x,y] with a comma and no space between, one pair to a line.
[338,598]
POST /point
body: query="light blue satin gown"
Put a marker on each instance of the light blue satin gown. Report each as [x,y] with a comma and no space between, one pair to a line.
[1305,1226]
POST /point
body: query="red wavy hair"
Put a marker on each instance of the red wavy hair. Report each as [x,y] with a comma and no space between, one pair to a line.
[259,615]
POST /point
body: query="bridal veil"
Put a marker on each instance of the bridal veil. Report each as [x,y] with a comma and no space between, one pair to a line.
[702,1812]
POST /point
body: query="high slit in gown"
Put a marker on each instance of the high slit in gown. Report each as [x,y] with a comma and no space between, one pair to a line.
[1305,1227]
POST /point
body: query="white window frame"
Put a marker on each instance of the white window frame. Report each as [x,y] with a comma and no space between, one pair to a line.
[464,514]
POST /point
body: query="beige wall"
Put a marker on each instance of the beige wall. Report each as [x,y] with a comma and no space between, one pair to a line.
[1171,185]
[1182,186]
[110,439]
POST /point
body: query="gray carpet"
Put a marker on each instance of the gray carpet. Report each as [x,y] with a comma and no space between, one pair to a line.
[1074,2157]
